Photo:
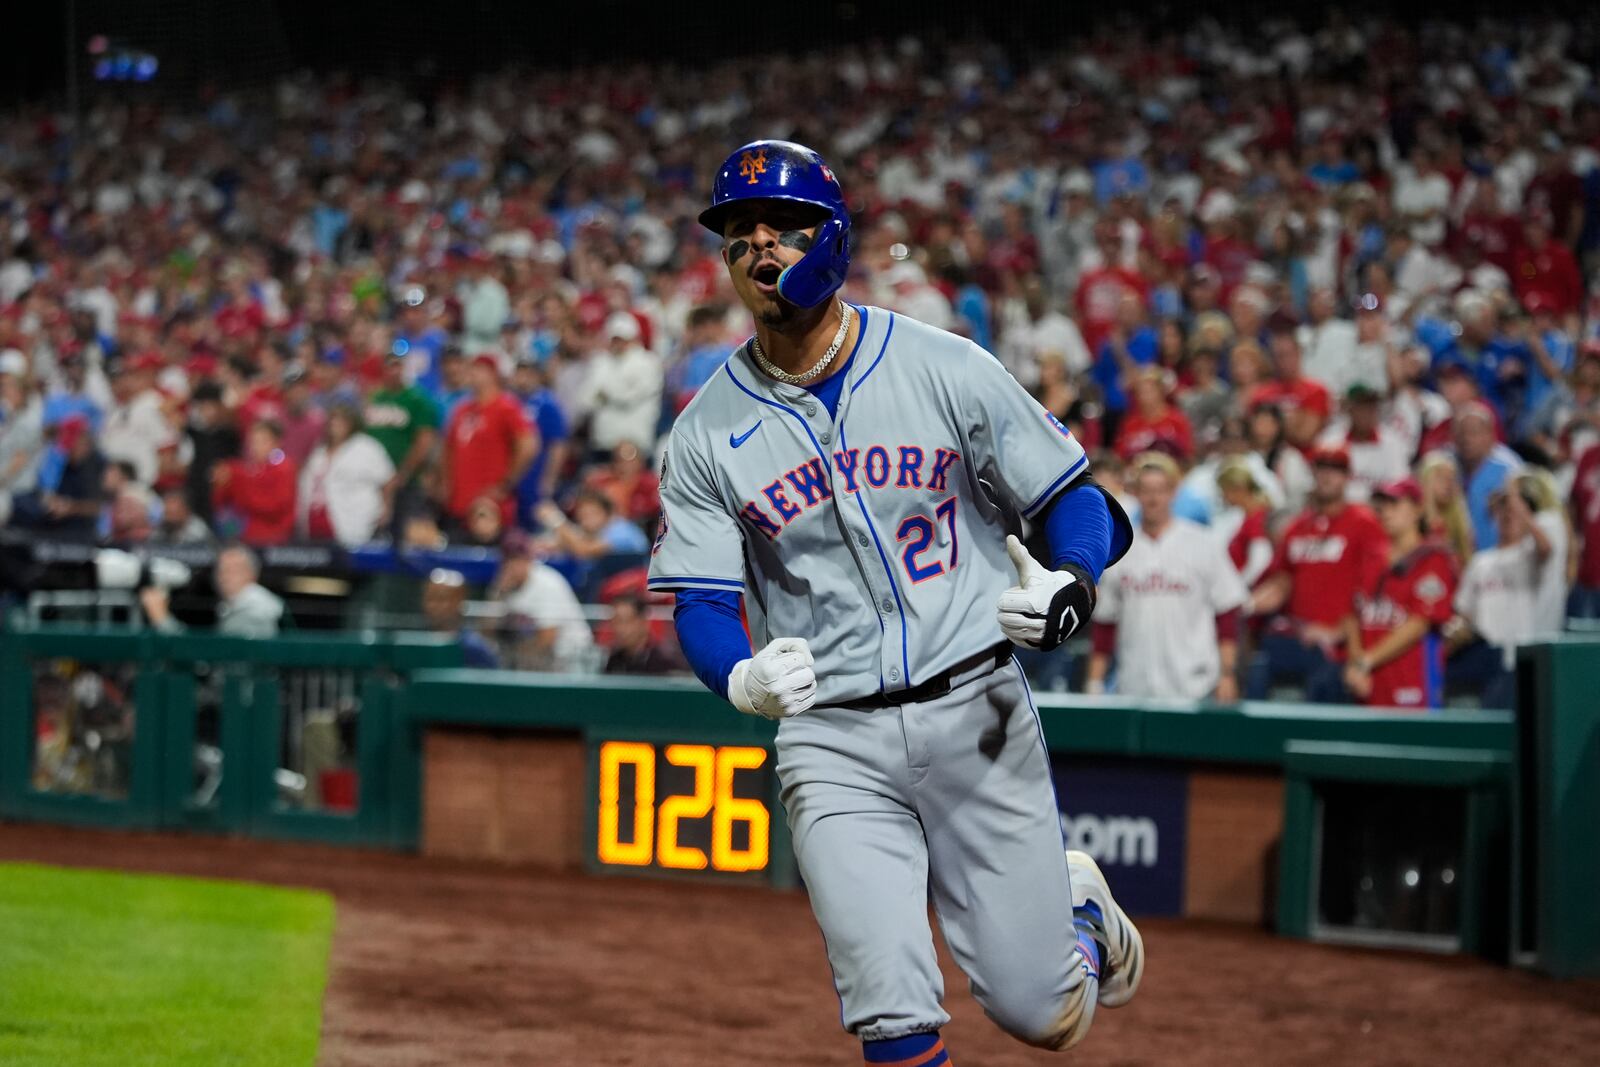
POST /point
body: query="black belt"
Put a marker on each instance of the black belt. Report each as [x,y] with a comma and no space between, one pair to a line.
[939,684]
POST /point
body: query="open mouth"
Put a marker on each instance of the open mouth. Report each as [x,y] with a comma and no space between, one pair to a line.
[766,274]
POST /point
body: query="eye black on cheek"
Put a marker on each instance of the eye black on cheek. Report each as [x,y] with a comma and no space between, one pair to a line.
[737,250]
[796,239]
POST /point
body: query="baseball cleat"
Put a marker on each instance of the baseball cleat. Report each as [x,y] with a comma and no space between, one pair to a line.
[1124,948]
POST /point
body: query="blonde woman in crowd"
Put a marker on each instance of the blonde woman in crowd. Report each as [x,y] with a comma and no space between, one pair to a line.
[1444,505]
[1244,523]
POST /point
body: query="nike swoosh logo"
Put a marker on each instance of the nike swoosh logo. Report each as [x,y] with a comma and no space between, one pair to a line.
[742,438]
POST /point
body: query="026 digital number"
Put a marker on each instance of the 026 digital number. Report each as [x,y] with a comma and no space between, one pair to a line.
[655,828]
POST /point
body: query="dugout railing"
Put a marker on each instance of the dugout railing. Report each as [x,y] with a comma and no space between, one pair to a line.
[326,737]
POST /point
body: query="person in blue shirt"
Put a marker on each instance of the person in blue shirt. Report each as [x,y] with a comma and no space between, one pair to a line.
[1551,351]
[550,454]
[419,343]
[1133,342]
[1485,464]
[453,388]
[72,399]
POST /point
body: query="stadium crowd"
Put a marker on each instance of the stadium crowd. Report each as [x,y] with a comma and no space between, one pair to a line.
[1271,279]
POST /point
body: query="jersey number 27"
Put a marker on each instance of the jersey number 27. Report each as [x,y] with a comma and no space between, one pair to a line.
[917,534]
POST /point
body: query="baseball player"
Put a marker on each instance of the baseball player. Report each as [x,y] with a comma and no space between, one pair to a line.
[858,477]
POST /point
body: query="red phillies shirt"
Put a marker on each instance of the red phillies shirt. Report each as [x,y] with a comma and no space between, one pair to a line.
[262,402]
[1422,584]
[262,495]
[1550,272]
[1301,393]
[1097,297]
[1253,529]
[1327,558]
[479,445]
[1139,434]
[1586,509]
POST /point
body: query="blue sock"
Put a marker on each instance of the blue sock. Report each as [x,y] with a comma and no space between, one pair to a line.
[913,1050]
[1091,924]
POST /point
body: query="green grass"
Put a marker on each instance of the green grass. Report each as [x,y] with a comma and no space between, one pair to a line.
[124,970]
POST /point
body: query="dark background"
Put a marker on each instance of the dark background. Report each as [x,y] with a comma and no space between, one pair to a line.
[205,43]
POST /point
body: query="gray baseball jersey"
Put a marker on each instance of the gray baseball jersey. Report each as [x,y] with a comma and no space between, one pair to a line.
[878,535]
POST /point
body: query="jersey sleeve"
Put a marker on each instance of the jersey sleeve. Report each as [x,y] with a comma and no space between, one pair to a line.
[698,545]
[1019,447]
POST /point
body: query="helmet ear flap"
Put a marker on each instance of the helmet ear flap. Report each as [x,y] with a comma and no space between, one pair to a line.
[820,272]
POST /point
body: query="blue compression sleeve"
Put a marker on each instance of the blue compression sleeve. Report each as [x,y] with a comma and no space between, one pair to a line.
[1079,528]
[711,635]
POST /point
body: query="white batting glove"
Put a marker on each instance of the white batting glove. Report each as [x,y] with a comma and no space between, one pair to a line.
[775,683]
[1046,606]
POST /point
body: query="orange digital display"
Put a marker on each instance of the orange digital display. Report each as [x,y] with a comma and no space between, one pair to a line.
[683,807]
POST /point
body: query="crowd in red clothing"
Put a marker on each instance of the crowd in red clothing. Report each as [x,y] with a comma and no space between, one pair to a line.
[328,312]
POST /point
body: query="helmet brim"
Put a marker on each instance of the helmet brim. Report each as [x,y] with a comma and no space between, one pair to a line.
[714,218]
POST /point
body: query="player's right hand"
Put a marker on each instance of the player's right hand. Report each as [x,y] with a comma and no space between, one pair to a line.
[1046,606]
[777,682]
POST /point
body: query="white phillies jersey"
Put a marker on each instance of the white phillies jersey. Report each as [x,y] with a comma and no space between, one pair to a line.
[1499,594]
[1164,596]
[877,535]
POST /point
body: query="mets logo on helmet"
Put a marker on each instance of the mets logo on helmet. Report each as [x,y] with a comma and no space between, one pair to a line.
[752,164]
[828,174]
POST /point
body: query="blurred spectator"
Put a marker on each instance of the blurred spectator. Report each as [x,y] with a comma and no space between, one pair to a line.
[455,378]
[1538,489]
[257,492]
[551,432]
[132,514]
[595,530]
[1037,331]
[1394,650]
[632,487]
[405,421]
[1486,465]
[303,422]
[70,484]
[485,524]
[485,304]
[21,434]
[244,607]
[443,598]
[179,525]
[1329,343]
[1154,423]
[1250,544]
[1129,345]
[1444,505]
[1498,600]
[623,389]
[1169,610]
[1327,552]
[1377,454]
[633,649]
[488,445]
[135,426]
[212,440]
[1264,434]
[1585,504]
[345,486]
[1305,403]
[705,350]
[1546,269]
[543,617]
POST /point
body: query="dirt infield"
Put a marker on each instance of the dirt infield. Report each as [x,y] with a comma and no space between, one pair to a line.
[447,964]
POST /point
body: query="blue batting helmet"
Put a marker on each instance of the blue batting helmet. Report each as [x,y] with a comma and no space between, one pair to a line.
[783,170]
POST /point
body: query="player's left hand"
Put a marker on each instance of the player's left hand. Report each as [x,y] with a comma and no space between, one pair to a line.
[1046,606]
